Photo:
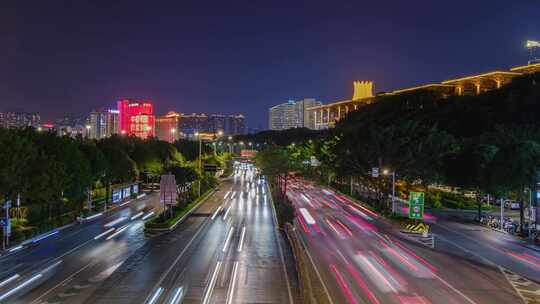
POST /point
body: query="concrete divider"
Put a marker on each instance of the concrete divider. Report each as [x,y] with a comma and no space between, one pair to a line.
[313,290]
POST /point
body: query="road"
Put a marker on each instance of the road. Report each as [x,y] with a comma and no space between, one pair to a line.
[363,258]
[228,251]
[70,264]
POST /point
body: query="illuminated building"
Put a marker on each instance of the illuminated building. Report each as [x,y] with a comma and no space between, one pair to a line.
[102,123]
[19,120]
[136,117]
[292,114]
[212,123]
[168,127]
[327,115]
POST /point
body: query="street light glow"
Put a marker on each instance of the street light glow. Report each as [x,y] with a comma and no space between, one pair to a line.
[385,172]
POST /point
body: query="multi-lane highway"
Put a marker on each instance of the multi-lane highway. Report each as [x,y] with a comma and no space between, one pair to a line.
[362,258]
[69,264]
[228,251]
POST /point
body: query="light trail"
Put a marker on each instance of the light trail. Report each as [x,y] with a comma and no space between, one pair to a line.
[148,215]
[177,295]
[309,219]
[104,233]
[155,296]
[19,287]
[241,243]
[93,216]
[210,289]
[120,230]
[10,279]
[229,235]
[230,297]
[136,216]
[116,221]
[15,248]
[227,212]
[216,213]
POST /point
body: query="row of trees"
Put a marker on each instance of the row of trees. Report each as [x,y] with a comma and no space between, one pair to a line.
[52,174]
[489,143]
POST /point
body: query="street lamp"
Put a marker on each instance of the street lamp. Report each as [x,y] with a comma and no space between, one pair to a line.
[173,133]
[197,134]
[393,173]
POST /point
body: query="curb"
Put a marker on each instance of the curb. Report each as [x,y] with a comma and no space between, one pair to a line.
[184,217]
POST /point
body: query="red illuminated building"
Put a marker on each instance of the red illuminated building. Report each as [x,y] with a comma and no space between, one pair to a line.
[136,117]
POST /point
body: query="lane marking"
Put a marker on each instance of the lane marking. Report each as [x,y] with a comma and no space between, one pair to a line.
[233,283]
[210,289]
[15,248]
[241,243]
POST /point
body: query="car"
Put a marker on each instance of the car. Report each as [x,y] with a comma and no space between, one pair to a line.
[511,204]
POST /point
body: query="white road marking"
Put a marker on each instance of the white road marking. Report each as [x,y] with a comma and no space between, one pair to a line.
[97,237]
[120,230]
[241,243]
[228,239]
[216,213]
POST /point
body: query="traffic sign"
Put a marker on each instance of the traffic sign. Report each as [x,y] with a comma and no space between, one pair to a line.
[375,172]
[3,222]
[416,205]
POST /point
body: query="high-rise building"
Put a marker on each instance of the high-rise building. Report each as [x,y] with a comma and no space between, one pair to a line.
[283,116]
[19,120]
[191,123]
[306,118]
[102,123]
[168,127]
[136,117]
[235,125]
[292,114]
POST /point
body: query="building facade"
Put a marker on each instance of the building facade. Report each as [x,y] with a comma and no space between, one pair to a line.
[326,116]
[168,127]
[136,117]
[19,120]
[213,123]
[292,114]
[102,123]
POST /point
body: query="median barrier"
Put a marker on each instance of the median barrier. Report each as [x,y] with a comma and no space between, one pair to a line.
[313,290]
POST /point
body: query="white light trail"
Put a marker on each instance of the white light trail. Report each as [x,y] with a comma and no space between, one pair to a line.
[233,283]
[15,248]
[216,213]
[116,221]
[117,232]
[155,296]
[241,243]
[123,204]
[177,295]
[148,215]
[212,283]
[10,279]
[309,219]
[226,194]
[104,233]
[228,239]
[136,216]
[94,216]
[227,212]
[19,287]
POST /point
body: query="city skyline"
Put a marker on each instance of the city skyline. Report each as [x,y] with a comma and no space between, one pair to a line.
[326,47]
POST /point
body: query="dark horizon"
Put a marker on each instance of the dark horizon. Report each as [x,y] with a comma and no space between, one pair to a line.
[244,58]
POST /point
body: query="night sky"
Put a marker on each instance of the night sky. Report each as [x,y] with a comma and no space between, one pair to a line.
[245,56]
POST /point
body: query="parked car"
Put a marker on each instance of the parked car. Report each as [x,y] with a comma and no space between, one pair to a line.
[511,204]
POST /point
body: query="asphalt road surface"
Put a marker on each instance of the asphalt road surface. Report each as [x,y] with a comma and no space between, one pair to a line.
[362,258]
[67,265]
[228,251]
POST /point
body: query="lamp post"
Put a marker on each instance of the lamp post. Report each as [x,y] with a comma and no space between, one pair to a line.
[173,134]
[88,128]
[200,161]
[393,173]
